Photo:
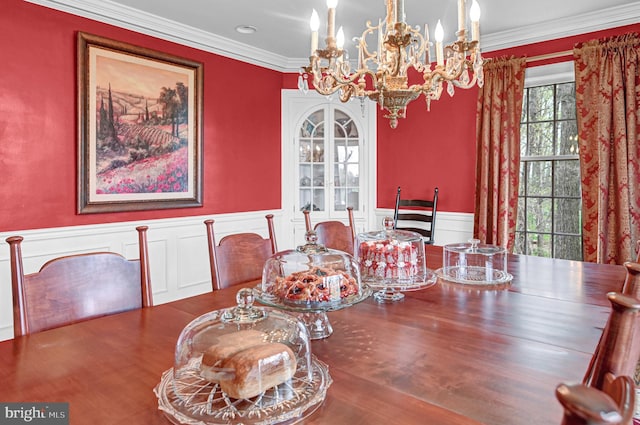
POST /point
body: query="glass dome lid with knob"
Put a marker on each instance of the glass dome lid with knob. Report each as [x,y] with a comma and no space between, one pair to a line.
[243,365]
[393,261]
[474,263]
[312,280]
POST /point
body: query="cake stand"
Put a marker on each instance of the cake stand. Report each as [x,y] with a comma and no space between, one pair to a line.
[314,315]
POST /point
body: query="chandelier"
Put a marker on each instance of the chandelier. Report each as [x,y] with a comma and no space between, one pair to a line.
[383,70]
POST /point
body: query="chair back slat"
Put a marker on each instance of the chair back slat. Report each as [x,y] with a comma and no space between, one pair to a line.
[416,215]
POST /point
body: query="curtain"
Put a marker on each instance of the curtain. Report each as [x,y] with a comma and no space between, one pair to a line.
[498,115]
[608,104]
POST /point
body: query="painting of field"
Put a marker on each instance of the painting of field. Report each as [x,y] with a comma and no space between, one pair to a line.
[141,129]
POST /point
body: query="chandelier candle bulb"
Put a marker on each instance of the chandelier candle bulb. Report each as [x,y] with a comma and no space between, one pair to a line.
[331,21]
[474,14]
[340,43]
[461,15]
[427,49]
[400,11]
[439,35]
[314,23]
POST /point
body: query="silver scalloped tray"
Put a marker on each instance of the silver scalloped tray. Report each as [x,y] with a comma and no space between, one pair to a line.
[429,279]
[195,401]
[470,275]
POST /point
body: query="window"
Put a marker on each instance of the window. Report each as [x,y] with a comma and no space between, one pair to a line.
[549,222]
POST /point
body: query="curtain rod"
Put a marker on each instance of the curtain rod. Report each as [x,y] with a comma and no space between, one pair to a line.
[549,56]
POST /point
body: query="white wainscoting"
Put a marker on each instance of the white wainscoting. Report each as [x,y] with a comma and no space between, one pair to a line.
[178,252]
[451,227]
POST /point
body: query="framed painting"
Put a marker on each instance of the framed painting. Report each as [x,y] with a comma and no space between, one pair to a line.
[140,128]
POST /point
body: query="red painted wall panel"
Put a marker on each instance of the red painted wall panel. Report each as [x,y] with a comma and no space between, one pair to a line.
[38,124]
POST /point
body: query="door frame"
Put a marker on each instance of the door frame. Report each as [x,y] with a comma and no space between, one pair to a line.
[297,105]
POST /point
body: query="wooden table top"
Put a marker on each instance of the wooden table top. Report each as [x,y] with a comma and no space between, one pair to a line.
[444,355]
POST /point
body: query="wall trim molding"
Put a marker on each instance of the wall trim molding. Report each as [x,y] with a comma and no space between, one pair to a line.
[109,12]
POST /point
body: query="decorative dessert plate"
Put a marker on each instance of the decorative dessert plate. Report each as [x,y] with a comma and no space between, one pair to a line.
[192,400]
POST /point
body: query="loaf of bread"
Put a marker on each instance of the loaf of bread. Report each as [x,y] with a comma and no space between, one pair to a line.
[257,369]
[223,348]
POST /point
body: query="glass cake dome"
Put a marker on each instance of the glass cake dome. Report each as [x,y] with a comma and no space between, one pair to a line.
[474,263]
[312,276]
[243,365]
[392,261]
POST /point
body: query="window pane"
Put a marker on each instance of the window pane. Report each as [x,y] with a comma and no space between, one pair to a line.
[540,103]
[318,151]
[566,216]
[567,133]
[305,199]
[305,151]
[353,199]
[318,200]
[568,247]
[522,184]
[340,175]
[565,101]
[352,175]
[539,244]
[519,243]
[539,215]
[523,140]
[318,175]
[566,178]
[521,215]
[525,102]
[340,199]
[539,178]
[540,139]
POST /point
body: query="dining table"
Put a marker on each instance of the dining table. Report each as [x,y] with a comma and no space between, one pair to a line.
[448,354]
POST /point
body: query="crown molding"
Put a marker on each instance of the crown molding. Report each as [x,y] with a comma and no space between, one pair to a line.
[109,12]
[580,24]
[106,11]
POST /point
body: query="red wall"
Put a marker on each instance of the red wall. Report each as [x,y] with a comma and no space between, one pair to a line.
[38,124]
[38,128]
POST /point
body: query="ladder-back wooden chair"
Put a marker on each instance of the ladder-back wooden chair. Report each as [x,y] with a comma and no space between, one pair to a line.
[239,258]
[420,219]
[584,405]
[334,234]
[77,287]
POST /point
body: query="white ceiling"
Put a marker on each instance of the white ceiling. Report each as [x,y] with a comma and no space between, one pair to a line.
[282,39]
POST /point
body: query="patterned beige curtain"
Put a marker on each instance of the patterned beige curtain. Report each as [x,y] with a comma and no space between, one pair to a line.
[608,107]
[498,151]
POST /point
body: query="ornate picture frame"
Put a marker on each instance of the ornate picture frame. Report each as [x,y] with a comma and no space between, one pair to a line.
[139,128]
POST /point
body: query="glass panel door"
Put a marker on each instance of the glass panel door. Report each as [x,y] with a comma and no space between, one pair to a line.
[329,164]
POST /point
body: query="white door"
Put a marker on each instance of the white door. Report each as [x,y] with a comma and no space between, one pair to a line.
[328,161]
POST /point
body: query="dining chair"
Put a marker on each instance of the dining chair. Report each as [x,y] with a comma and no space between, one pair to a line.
[240,257]
[334,234]
[618,350]
[421,217]
[78,287]
[584,405]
